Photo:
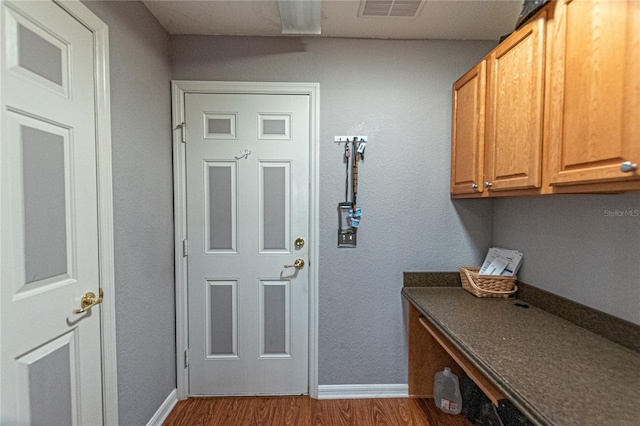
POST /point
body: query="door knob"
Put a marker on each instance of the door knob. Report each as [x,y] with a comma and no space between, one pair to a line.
[298,264]
[88,301]
[299,242]
[487,184]
[474,186]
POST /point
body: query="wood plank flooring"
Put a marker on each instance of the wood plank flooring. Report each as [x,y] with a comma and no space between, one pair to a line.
[305,411]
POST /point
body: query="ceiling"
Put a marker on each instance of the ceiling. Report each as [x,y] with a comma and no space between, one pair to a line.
[438,19]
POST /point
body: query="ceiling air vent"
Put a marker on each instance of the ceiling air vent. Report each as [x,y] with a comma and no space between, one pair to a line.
[384,8]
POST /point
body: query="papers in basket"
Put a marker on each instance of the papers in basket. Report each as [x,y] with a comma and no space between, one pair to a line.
[501,261]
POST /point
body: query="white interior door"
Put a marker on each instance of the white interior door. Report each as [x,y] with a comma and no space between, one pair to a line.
[247,172]
[50,356]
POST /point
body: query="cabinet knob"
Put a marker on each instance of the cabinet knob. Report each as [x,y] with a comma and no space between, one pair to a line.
[487,184]
[628,166]
[474,186]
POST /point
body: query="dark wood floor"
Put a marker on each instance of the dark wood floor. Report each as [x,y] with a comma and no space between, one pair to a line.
[304,411]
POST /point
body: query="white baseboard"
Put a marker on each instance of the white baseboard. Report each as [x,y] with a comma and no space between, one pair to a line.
[362,391]
[163,412]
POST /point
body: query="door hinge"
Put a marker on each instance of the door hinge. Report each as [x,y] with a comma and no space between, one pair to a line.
[182,126]
[186,358]
[185,248]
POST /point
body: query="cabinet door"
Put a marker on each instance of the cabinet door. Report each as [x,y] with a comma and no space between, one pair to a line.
[516,108]
[467,132]
[595,91]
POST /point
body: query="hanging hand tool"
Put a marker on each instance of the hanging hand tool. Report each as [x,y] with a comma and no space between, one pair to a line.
[356,159]
[355,213]
[347,154]
[355,182]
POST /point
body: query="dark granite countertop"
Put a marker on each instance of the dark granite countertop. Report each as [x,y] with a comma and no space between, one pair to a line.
[555,372]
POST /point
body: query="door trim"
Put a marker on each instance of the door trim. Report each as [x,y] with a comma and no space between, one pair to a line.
[100,32]
[178,90]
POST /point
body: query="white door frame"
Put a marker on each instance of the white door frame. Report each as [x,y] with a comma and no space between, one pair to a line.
[178,90]
[100,32]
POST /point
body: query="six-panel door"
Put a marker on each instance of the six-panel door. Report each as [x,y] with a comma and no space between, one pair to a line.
[51,359]
[247,202]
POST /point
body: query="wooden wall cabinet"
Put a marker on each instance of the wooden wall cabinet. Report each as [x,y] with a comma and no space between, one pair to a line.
[562,106]
[467,130]
[502,151]
[515,109]
[594,105]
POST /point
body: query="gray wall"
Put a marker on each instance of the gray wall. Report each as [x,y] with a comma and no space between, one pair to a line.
[584,248]
[143,208]
[399,94]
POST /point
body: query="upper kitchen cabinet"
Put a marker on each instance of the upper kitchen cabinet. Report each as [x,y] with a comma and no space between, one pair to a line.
[562,106]
[515,109]
[594,96]
[500,152]
[467,132]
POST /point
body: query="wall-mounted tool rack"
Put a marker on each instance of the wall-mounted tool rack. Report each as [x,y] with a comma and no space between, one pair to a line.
[349,214]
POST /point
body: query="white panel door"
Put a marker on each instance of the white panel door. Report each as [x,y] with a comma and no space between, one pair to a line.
[50,356]
[247,203]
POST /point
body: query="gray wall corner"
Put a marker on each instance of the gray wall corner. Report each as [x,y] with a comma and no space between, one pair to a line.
[143,207]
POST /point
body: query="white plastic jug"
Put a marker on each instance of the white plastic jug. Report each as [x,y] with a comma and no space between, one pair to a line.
[446,392]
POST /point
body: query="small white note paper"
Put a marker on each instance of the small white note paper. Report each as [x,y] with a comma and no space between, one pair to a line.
[501,261]
[497,266]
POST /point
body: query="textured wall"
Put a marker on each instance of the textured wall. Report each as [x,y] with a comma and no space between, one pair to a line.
[399,94]
[143,208]
[584,248]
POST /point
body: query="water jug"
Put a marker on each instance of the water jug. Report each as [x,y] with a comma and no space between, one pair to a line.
[446,392]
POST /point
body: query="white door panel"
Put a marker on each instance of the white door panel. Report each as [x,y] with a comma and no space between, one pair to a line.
[247,201]
[51,368]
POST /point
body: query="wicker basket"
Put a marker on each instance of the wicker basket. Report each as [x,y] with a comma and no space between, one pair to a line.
[487,285]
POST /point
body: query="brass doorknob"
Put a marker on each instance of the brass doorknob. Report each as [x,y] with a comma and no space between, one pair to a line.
[298,264]
[299,242]
[88,301]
